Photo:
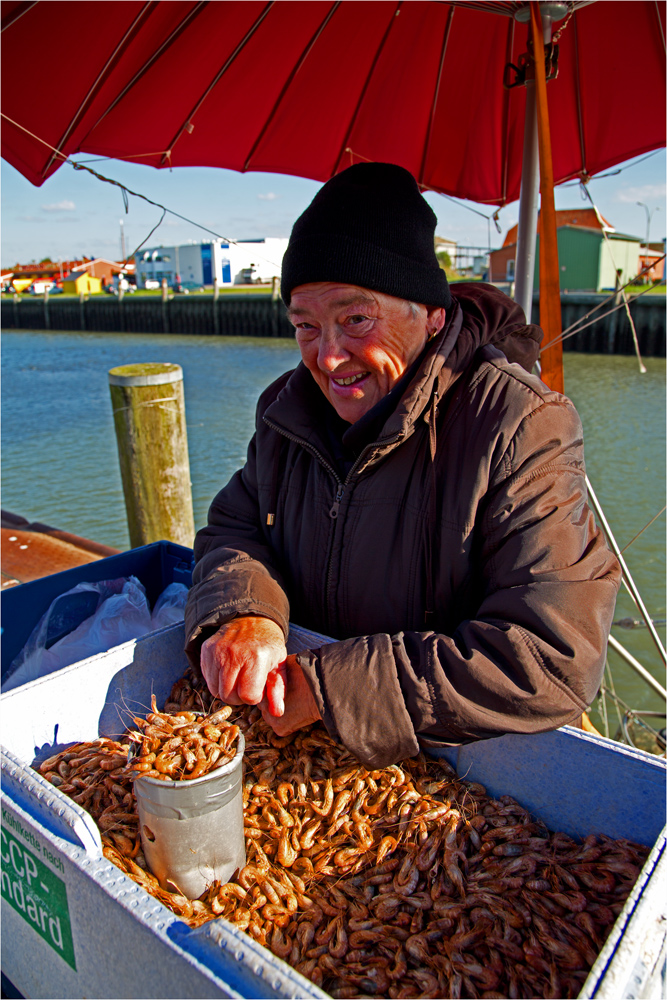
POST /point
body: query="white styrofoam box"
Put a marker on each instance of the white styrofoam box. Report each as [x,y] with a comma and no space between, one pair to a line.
[89,930]
[73,924]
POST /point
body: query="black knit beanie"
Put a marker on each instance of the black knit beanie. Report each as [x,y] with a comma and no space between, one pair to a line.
[368,226]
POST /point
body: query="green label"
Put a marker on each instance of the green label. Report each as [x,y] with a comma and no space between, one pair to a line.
[35,891]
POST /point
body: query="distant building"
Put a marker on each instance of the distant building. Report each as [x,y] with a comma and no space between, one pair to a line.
[243,262]
[449,246]
[49,273]
[47,269]
[41,285]
[105,270]
[81,282]
[654,260]
[588,259]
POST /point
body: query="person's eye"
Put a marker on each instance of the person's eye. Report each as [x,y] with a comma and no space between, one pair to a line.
[357,324]
[305,331]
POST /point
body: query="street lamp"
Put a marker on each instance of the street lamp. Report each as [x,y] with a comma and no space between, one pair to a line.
[648,219]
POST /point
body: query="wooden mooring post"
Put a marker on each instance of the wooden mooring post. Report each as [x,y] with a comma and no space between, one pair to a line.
[121,312]
[275,305]
[216,314]
[149,416]
[165,306]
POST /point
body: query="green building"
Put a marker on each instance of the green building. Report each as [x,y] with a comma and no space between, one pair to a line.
[589,262]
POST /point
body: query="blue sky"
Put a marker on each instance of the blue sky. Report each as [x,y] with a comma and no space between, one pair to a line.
[73,213]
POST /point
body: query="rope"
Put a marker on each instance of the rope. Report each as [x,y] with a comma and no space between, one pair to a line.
[135,194]
[611,173]
[156,226]
[579,324]
[424,187]
[602,704]
[642,366]
[643,529]
[556,35]
[629,715]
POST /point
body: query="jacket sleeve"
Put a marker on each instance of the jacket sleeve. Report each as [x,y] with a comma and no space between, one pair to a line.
[531,659]
[234,572]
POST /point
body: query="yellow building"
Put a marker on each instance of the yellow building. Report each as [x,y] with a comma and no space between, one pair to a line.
[75,284]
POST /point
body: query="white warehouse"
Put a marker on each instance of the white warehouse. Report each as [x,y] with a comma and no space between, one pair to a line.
[242,262]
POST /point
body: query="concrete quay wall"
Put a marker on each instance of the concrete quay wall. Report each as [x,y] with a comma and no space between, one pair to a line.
[257,315]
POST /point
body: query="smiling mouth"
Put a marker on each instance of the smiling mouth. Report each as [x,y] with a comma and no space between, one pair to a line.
[349,379]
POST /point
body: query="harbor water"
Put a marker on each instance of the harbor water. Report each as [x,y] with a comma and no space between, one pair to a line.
[60,464]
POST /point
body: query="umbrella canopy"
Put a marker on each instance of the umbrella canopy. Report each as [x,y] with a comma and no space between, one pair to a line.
[308,88]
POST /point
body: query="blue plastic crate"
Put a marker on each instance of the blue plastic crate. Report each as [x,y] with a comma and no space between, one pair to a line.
[155,566]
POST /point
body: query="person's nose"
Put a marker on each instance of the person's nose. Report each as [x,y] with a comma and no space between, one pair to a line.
[332,352]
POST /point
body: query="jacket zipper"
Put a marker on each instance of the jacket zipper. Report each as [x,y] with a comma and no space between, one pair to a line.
[333,511]
[335,507]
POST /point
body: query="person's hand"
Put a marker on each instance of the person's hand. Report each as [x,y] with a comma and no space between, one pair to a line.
[299,706]
[239,659]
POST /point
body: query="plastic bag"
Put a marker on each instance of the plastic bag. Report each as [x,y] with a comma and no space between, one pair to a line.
[170,605]
[89,619]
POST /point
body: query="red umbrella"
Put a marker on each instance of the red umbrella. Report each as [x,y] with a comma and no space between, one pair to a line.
[308,88]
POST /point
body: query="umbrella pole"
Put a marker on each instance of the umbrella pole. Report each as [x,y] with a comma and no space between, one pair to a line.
[524,268]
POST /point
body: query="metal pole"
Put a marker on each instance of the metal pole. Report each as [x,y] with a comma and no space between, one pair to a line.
[524,267]
[629,582]
[648,227]
[637,667]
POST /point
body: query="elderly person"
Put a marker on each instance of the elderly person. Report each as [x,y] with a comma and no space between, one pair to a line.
[411,491]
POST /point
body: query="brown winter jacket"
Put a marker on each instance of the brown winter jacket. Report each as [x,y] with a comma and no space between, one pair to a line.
[458,565]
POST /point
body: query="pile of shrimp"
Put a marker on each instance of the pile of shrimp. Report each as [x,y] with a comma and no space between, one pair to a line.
[403,882]
[183,746]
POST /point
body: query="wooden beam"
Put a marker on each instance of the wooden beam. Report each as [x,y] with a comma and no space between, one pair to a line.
[550,316]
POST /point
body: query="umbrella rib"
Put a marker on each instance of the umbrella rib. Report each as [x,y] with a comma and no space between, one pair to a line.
[102,75]
[176,33]
[506,115]
[17,13]
[353,119]
[288,83]
[494,7]
[657,17]
[216,79]
[580,119]
[436,94]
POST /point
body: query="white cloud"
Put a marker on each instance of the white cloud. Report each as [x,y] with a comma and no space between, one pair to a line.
[60,206]
[643,192]
[269,196]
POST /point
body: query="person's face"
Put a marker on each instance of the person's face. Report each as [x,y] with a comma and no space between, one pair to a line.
[356,343]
